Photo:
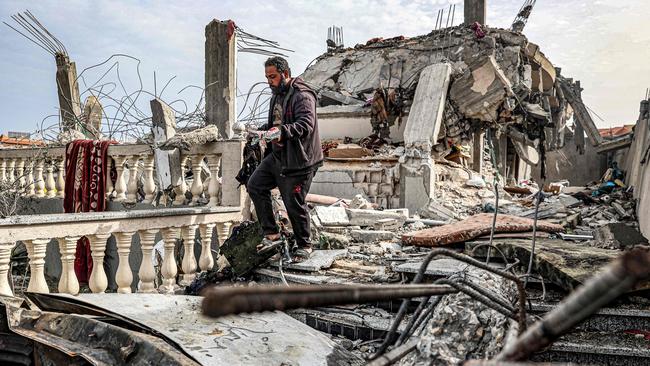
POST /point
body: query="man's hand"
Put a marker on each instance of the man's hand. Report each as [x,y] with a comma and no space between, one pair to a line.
[272,134]
[255,135]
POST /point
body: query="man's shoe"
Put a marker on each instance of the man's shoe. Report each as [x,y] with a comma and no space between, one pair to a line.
[302,254]
[268,245]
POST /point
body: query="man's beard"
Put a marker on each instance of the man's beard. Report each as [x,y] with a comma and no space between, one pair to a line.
[280,89]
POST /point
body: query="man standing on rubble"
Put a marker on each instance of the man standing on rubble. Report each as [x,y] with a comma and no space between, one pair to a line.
[292,159]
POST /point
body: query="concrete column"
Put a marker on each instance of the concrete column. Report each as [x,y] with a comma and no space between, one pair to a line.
[501,153]
[220,74]
[475,11]
[93,112]
[167,162]
[477,151]
[68,91]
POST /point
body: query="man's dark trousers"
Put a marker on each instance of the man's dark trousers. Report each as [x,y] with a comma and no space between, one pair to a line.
[293,190]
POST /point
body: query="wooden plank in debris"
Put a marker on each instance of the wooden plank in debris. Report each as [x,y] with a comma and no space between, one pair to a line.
[563,263]
[472,227]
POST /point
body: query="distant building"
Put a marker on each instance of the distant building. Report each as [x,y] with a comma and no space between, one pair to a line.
[614,132]
[18,139]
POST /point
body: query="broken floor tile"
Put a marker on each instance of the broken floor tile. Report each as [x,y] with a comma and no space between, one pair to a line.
[473,227]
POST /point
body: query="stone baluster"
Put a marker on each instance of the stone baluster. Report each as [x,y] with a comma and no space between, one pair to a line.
[182,187]
[132,187]
[3,170]
[68,283]
[36,253]
[188,265]
[109,181]
[120,183]
[206,262]
[30,187]
[5,257]
[50,185]
[39,182]
[223,231]
[98,281]
[60,178]
[197,182]
[11,171]
[20,172]
[123,277]
[149,185]
[214,162]
[147,274]
[168,268]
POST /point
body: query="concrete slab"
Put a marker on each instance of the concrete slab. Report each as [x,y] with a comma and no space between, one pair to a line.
[369,217]
[425,117]
[269,338]
[370,236]
[332,216]
[438,267]
[319,259]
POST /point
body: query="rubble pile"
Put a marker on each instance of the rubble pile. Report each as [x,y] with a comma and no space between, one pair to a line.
[499,79]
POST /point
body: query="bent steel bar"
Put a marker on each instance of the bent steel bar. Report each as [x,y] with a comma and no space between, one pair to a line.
[220,301]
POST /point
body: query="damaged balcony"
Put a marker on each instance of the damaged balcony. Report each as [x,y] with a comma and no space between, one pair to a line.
[468,211]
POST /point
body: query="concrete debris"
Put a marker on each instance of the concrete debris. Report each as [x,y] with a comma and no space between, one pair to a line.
[369,217]
[360,203]
[199,136]
[332,216]
[369,236]
[618,236]
[462,328]
[68,136]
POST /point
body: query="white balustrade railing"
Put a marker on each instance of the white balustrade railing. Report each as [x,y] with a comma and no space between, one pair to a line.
[36,231]
[40,172]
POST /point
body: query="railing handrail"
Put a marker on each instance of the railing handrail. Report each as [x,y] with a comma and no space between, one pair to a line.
[33,227]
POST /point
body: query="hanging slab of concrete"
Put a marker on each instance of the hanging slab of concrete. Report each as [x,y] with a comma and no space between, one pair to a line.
[425,117]
[319,259]
[274,337]
[472,227]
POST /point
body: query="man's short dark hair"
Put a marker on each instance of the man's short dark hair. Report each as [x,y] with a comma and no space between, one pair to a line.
[280,64]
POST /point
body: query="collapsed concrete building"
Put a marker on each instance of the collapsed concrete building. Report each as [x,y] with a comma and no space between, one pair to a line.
[447,89]
[398,184]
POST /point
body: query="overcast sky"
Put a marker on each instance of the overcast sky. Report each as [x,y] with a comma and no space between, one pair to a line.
[603,43]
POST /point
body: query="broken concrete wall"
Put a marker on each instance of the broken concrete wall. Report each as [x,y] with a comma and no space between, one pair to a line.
[638,168]
[338,121]
[568,163]
[380,183]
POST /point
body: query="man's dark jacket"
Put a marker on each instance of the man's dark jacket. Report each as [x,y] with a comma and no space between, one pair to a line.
[301,148]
